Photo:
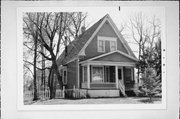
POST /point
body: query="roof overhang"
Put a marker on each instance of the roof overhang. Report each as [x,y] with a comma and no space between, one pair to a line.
[106,63]
[93,60]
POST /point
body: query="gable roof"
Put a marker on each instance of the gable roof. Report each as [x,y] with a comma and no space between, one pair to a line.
[112,52]
[76,47]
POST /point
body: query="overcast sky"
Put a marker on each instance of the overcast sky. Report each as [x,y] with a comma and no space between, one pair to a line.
[95,13]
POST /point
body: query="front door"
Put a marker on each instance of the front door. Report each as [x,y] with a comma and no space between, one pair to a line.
[120,75]
[121,81]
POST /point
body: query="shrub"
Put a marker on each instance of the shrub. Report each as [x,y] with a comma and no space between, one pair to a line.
[151,84]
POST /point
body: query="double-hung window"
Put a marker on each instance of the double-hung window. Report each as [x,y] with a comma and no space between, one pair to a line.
[113,45]
[97,74]
[107,43]
[84,74]
[101,45]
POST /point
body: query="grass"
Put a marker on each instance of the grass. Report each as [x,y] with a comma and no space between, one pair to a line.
[128,100]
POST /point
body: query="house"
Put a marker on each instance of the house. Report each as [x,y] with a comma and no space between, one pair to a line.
[99,61]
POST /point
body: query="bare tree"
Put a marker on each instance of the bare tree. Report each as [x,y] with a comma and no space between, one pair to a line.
[31,31]
[76,22]
[144,31]
[49,25]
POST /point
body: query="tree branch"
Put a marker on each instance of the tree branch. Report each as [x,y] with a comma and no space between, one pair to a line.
[36,66]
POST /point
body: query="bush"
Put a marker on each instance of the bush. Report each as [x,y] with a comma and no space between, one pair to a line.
[151,85]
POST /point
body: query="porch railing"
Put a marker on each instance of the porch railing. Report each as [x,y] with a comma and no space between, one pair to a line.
[103,85]
[75,93]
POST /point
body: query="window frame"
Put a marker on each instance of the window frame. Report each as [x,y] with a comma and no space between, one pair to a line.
[111,45]
[83,72]
[103,45]
[92,73]
[109,39]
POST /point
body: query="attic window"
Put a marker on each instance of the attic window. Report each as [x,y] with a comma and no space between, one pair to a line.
[101,45]
[113,45]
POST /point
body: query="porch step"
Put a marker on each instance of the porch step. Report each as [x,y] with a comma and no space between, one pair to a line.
[122,94]
[122,90]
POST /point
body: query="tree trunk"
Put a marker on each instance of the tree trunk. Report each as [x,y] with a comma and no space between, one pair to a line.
[52,86]
[51,82]
[49,78]
[43,78]
[139,60]
[35,86]
[59,78]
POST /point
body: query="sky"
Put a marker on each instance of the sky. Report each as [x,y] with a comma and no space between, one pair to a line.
[95,13]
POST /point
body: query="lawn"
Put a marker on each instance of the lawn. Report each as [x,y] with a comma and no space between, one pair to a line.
[128,100]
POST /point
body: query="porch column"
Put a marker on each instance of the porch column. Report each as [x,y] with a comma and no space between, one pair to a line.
[132,74]
[116,72]
[122,74]
[88,76]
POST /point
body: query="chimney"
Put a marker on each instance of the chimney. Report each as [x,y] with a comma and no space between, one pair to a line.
[83,29]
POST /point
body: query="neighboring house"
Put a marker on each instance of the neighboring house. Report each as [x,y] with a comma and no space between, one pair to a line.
[99,61]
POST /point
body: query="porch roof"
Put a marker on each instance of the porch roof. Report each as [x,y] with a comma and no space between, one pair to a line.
[115,58]
[107,63]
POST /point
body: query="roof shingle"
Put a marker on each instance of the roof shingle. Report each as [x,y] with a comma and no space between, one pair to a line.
[76,45]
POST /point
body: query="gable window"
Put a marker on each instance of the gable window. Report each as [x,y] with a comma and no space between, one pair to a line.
[101,46]
[113,45]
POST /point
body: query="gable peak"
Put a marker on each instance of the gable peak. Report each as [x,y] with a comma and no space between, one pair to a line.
[107,16]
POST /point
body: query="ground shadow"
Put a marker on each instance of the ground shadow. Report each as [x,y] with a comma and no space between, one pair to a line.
[148,100]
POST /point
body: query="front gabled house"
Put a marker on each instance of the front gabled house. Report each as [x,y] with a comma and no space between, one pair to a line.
[99,61]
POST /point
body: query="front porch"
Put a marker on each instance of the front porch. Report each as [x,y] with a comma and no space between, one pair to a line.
[100,75]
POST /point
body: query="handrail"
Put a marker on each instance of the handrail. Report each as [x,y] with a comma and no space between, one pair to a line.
[122,89]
